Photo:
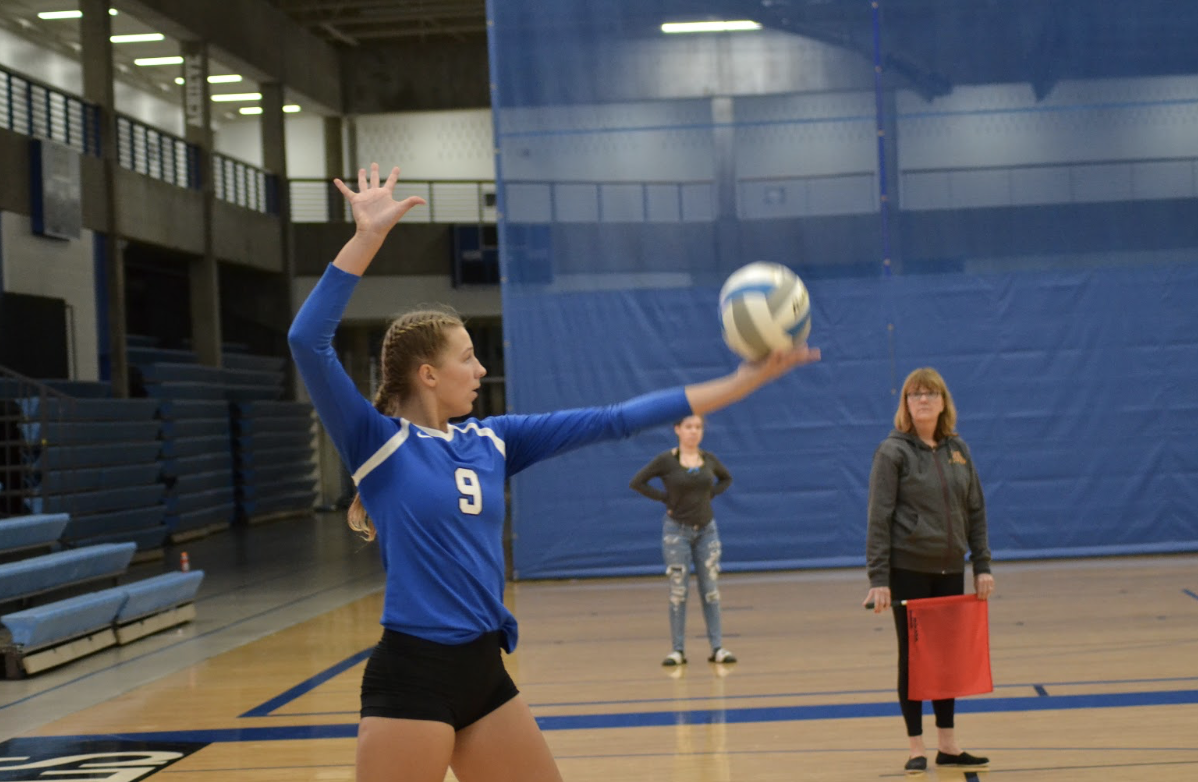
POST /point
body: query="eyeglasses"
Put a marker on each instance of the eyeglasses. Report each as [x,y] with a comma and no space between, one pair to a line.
[923,395]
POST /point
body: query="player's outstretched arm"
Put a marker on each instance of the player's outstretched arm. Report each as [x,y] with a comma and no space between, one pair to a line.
[715,394]
[375,212]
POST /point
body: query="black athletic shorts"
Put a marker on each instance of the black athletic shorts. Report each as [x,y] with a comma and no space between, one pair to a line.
[411,678]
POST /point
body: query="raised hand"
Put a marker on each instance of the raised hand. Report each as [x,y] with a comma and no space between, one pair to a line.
[374,207]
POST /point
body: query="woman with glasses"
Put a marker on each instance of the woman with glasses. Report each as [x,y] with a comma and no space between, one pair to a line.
[926,511]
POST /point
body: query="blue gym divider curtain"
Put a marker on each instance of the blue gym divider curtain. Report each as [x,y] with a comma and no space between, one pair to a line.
[1017,214]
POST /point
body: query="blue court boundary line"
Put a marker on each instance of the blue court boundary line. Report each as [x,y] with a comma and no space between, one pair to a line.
[268,709]
[213,631]
[1191,593]
[677,718]
[773,751]
[306,686]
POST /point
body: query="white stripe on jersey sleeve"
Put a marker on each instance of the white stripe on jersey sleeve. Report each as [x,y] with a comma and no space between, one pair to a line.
[485,432]
[379,456]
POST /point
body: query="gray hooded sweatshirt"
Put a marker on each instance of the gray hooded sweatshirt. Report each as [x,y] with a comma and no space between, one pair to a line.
[926,509]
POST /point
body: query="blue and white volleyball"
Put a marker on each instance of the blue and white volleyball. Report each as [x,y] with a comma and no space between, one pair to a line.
[764,307]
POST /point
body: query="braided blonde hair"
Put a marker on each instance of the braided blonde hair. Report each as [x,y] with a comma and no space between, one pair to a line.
[412,339]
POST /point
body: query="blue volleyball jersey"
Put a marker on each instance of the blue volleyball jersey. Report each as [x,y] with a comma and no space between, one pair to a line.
[437,498]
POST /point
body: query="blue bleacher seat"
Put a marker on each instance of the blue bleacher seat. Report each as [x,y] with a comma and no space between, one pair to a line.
[195,427]
[98,501]
[90,432]
[180,447]
[152,595]
[183,409]
[64,457]
[215,516]
[89,409]
[36,627]
[186,390]
[169,372]
[19,533]
[188,465]
[132,610]
[145,538]
[94,478]
[37,575]
[113,523]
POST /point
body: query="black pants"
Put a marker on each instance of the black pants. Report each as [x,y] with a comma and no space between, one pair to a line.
[909,585]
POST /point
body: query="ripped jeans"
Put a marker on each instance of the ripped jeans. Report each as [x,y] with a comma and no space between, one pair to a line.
[684,546]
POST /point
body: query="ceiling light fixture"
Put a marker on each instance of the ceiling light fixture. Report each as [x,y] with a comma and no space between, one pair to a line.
[138,38]
[709,27]
[158,61]
[237,96]
[231,78]
[291,108]
[68,14]
[250,110]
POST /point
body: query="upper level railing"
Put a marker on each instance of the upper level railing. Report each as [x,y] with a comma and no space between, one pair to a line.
[318,201]
[157,154]
[245,185]
[37,110]
[40,111]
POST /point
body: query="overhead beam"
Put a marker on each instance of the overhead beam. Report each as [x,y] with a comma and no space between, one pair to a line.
[253,33]
[308,6]
[415,32]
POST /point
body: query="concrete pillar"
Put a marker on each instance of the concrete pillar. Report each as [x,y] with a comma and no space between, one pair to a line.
[334,166]
[95,28]
[205,279]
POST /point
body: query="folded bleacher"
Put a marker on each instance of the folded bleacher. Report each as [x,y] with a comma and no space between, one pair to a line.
[35,639]
[22,534]
[274,457]
[272,439]
[95,458]
[197,461]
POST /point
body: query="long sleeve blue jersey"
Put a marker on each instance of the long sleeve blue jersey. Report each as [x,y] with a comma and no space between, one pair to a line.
[437,497]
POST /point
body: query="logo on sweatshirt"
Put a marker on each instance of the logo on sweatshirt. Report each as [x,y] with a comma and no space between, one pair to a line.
[958,458]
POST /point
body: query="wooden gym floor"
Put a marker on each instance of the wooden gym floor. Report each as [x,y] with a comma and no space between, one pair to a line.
[1095,665]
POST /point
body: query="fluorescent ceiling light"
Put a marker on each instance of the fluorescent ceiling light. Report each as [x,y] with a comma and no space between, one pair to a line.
[709,27]
[68,14]
[250,110]
[138,38]
[291,108]
[237,96]
[158,61]
[231,78]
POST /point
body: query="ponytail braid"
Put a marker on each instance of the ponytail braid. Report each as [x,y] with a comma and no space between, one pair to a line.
[411,340]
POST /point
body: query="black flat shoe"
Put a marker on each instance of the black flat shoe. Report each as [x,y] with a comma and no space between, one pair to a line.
[964,759]
[917,764]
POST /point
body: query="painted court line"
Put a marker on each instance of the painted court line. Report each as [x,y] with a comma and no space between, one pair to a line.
[695,717]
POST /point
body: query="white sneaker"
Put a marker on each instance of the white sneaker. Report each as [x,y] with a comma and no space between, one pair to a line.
[722,655]
[674,658]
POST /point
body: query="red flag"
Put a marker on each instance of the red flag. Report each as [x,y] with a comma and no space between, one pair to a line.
[949,647]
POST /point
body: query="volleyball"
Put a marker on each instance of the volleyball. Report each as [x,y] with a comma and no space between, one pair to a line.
[764,307]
